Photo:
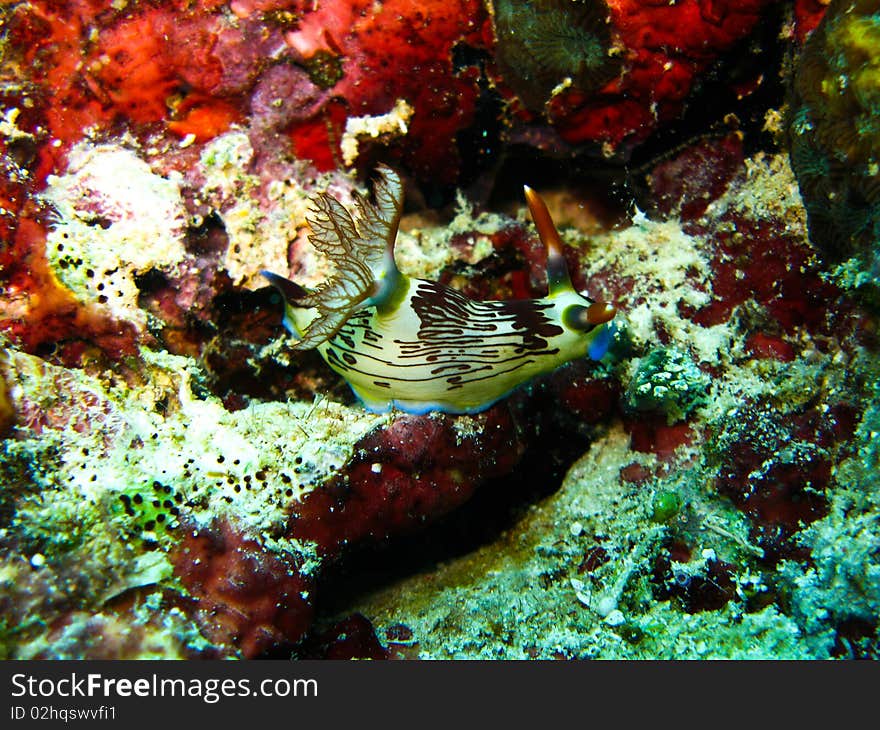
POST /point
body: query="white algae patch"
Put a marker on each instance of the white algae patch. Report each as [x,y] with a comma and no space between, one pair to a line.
[259,236]
[394,123]
[670,268]
[161,450]
[116,219]
[424,250]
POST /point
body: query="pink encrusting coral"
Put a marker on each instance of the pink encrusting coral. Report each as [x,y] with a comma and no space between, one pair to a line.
[326,76]
[399,51]
[181,481]
[662,50]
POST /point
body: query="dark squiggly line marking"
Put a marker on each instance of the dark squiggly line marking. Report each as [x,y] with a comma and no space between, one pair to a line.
[453,335]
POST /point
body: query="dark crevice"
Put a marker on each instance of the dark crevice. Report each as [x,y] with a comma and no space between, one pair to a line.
[556,440]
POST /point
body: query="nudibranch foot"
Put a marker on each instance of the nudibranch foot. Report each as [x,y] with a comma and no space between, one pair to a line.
[418,345]
[420,408]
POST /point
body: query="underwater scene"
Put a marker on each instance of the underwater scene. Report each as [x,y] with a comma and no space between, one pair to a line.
[449,329]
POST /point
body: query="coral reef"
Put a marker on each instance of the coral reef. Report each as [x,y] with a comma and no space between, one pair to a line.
[195,70]
[333,83]
[545,44]
[664,536]
[180,481]
[835,140]
[663,50]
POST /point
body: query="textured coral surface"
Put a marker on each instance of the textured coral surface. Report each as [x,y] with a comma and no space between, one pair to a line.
[176,481]
[835,137]
[665,48]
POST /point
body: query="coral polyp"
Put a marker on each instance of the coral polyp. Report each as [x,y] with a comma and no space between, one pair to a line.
[545,44]
[684,467]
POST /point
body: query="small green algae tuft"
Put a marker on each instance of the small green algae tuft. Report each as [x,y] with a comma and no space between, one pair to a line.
[665,505]
[667,381]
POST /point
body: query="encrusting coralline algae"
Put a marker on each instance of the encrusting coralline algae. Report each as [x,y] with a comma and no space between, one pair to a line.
[179,481]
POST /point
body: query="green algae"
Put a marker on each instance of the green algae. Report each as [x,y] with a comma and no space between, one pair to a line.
[96,507]
[835,142]
[665,505]
[668,381]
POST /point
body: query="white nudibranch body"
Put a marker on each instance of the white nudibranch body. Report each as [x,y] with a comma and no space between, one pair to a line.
[421,346]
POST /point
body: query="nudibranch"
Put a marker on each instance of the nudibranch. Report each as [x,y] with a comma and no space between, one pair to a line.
[418,345]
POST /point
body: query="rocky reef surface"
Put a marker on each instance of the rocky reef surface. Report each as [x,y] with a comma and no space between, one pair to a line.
[178,483]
